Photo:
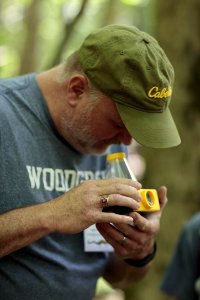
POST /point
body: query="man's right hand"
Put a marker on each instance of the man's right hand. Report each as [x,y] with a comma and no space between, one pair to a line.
[81,207]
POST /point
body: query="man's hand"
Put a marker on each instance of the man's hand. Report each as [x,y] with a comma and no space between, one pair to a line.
[69,213]
[132,242]
[81,207]
[135,241]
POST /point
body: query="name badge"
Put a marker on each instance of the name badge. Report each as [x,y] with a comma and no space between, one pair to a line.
[94,241]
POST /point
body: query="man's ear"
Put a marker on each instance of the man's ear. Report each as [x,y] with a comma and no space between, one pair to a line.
[78,85]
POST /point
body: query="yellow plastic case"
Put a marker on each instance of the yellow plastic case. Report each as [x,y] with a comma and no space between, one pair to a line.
[150,201]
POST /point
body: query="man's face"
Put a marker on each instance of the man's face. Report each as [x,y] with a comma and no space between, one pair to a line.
[107,127]
[95,126]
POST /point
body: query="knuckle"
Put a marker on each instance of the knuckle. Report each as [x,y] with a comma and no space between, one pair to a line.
[143,242]
[124,252]
[153,230]
[91,218]
[116,197]
[118,187]
[89,186]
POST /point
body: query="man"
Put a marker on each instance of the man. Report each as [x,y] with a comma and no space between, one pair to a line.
[53,125]
[182,277]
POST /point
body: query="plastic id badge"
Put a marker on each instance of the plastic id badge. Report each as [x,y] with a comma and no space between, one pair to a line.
[94,241]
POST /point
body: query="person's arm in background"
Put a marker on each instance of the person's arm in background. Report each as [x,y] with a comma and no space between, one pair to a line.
[183,269]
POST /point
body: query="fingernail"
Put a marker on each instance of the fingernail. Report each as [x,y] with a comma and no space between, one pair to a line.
[130,220]
[139,184]
[137,206]
[132,223]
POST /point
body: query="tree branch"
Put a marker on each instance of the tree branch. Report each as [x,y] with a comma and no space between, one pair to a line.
[28,55]
[68,31]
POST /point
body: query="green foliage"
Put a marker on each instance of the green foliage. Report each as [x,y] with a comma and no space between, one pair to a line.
[31,31]
[135,2]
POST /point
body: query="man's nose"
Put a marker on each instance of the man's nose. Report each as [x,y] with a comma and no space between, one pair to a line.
[126,137]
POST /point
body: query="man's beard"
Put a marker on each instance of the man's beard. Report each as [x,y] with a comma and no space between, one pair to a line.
[77,132]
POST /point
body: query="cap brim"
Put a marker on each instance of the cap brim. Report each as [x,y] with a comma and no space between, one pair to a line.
[155,130]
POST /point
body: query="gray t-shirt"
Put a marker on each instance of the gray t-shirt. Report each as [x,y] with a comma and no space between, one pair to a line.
[36,166]
[183,269]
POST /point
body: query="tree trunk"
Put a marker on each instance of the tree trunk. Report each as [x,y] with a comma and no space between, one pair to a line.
[28,56]
[67,33]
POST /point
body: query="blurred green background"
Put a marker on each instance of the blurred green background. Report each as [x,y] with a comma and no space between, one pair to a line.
[38,34]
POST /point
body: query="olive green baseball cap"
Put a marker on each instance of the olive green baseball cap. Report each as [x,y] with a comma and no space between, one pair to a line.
[130,67]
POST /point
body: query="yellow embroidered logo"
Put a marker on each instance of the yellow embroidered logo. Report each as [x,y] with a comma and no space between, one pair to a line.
[154,92]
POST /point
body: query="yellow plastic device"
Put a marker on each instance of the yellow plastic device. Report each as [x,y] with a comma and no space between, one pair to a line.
[150,201]
[119,167]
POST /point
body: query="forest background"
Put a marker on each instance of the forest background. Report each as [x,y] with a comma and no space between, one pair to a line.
[38,34]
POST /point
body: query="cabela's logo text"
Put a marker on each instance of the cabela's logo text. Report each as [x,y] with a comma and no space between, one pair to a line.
[155,92]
